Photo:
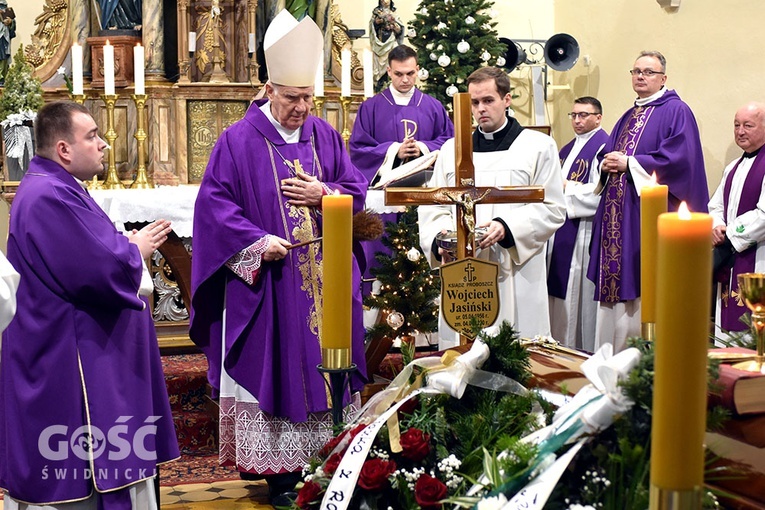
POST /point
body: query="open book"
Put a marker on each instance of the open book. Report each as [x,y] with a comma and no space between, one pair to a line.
[414,173]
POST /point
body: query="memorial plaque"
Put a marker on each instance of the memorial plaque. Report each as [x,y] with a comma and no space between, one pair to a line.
[469,291]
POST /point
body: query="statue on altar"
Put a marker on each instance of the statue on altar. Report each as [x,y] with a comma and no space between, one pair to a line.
[121,14]
[386,31]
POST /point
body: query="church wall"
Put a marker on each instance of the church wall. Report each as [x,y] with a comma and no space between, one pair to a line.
[713,52]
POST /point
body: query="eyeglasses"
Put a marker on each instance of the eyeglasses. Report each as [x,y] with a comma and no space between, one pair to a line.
[644,72]
[581,115]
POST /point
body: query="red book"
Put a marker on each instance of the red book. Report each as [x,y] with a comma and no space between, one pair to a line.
[740,391]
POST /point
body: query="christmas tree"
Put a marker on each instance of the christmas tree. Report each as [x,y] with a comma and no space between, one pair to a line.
[453,38]
[408,291]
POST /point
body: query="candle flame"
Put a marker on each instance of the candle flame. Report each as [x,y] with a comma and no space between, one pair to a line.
[654,180]
[683,212]
[107,43]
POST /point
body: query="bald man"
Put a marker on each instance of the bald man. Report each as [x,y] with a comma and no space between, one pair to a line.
[738,212]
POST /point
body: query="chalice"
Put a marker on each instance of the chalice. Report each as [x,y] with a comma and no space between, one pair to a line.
[751,286]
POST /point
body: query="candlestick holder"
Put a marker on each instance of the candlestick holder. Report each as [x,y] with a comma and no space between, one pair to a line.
[141,179]
[648,331]
[78,98]
[667,499]
[751,286]
[112,177]
[345,101]
[318,106]
[339,380]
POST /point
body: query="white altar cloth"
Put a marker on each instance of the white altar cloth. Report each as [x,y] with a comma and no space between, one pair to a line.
[174,203]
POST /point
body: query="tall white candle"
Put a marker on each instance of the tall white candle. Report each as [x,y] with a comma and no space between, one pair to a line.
[251,43]
[345,81]
[108,69]
[368,73]
[77,69]
[192,42]
[138,69]
[318,82]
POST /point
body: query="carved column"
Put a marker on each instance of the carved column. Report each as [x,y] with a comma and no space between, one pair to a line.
[252,7]
[154,39]
[184,61]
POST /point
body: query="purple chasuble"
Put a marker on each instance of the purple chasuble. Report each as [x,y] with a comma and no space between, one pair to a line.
[83,402]
[381,122]
[732,305]
[272,327]
[664,138]
[565,237]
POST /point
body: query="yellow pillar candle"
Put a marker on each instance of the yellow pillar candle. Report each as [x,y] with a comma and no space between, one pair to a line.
[680,376]
[337,213]
[653,202]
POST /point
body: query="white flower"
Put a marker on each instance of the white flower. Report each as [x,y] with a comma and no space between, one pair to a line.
[492,503]
[61,70]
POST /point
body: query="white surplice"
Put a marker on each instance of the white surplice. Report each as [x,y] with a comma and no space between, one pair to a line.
[532,160]
[572,320]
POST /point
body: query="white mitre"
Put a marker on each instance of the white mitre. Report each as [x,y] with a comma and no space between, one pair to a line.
[293,50]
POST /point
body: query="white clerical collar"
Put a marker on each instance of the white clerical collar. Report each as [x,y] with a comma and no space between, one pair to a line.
[586,136]
[81,183]
[401,99]
[490,136]
[289,135]
[653,97]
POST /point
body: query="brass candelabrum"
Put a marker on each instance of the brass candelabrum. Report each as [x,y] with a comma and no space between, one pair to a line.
[141,179]
[318,106]
[112,177]
[751,286]
[345,101]
[78,98]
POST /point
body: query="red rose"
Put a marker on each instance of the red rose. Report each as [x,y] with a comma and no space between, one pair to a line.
[358,428]
[409,406]
[428,491]
[332,462]
[415,444]
[374,474]
[308,494]
[330,446]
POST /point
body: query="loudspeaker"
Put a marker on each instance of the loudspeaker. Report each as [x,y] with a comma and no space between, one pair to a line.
[514,56]
[561,52]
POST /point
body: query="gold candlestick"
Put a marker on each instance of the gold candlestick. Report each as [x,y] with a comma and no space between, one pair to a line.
[141,179]
[648,331]
[346,104]
[318,106]
[751,286]
[78,98]
[112,177]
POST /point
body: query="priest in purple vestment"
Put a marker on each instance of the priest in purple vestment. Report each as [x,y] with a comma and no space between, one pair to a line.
[738,212]
[84,413]
[572,307]
[399,124]
[657,135]
[256,300]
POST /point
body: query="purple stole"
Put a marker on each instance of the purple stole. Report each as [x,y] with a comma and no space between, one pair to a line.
[612,256]
[732,305]
[565,236]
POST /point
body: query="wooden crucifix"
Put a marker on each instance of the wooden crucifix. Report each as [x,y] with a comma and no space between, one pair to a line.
[464,194]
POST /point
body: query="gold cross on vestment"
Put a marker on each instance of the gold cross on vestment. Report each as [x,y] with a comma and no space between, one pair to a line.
[297,167]
[465,193]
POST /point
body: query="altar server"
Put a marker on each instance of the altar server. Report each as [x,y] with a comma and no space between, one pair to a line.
[505,154]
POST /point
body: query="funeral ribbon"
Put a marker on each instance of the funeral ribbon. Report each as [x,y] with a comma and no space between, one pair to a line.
[18,136]
[449,374]
[593,409]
